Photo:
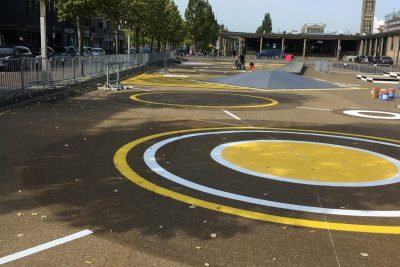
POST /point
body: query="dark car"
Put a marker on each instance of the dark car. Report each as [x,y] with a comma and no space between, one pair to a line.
[364,59]
[64,51]
[37,52]
[385,61]
[270,53]
[11,58]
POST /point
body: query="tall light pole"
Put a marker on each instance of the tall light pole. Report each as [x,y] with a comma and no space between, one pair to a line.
[43,36]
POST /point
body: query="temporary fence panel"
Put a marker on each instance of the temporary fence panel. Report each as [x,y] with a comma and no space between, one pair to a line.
[35,73]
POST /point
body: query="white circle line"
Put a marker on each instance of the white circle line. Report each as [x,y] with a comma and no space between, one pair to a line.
[150,160]
[216,154]
[358,113]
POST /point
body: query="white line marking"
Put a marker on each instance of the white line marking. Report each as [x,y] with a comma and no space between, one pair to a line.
[359,113]
[232,115]
[323,109]
[216,154]
[44,246]
[150,160]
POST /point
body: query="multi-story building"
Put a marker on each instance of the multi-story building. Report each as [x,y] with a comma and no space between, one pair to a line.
[19,25]
[313,28]
[367,16]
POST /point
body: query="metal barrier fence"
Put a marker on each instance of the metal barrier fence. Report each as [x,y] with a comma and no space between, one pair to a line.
[36,73]
[330,67]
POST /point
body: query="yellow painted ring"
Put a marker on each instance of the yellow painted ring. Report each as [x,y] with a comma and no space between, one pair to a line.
[120,161]
[271,102]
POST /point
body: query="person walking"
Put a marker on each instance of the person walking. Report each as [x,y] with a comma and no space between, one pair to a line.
[242,58]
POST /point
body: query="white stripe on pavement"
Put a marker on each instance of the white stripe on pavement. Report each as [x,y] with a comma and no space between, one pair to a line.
[232,115]
[323,109]
[44,246]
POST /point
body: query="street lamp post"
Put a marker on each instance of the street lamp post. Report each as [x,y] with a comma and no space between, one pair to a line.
[43,35]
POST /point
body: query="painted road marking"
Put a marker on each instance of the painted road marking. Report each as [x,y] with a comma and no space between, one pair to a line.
[232,115]
[309,163]
[387,115]
[270,102]
[151,162]
[44,246]
[120,161]
[322,109]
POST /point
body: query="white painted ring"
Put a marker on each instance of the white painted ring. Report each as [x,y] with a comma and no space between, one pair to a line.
[216,155]
[150,160]
[359,113]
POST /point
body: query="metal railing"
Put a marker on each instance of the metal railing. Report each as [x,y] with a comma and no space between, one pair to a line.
[30,73]
[330,67]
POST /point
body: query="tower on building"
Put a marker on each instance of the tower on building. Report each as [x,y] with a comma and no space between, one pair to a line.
[367,16]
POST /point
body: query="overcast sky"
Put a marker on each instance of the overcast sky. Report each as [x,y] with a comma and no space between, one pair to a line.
[288,15]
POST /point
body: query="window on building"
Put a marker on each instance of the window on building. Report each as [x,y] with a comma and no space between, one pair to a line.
[33,4]
[100,24]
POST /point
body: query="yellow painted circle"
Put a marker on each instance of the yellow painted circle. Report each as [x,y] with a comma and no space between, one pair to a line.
[269,102]
[121,163]
[309,161]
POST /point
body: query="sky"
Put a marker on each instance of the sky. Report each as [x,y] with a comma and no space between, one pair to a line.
[339,15]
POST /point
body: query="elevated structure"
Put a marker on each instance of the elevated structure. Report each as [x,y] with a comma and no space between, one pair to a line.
[313,28]
[367,16]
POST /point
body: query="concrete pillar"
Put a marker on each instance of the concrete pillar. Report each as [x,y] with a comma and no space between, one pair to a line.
[361,50]
[283,46]
[370,47]
[241,45]
[381,47]
[224,54]
[339,49]
[219,46]
[376,47]
[304,47]
[261,43]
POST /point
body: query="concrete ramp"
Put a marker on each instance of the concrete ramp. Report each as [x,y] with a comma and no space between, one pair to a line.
[294,67]
[273,80]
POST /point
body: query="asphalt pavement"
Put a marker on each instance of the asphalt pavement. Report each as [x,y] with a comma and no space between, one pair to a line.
[178,171]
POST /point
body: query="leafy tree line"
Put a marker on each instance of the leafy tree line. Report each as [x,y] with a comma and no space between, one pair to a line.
[266,25]
[156,21]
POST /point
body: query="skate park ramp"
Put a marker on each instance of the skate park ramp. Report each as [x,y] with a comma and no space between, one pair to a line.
[262,79]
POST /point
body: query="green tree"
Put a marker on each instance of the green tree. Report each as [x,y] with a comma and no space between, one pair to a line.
[114,12]
[266,25]
[134,16]
[201,24]
[175,25]
[75,10]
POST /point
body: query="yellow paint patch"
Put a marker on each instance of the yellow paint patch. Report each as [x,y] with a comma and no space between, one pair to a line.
[267,101]
[193,81]
[310,162]
[121,163]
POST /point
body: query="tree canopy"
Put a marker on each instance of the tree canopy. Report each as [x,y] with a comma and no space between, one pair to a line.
[155,21]
[266,25]
[201,24]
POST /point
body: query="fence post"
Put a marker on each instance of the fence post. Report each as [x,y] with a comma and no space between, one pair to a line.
[21,69]
[73,68]
[108,77]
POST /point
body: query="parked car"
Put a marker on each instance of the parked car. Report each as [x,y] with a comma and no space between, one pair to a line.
[145,50]
[350,56]
[270,53]
[385,61]
[87,51]
[11,58]
[37,52]
[61,51]
[364,59]
[98,51]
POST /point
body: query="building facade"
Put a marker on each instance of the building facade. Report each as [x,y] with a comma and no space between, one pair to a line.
[367,16]
[313,28]
[19,25]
